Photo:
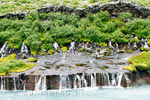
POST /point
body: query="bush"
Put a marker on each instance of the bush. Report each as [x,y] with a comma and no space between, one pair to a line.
[31,59]
[125,15]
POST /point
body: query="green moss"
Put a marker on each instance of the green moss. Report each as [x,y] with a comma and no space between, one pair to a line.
[9,64]
[31,59]
[140,61]
[103,44]
[81,50]
[130,68]
[129,51]
[51,51]
[143,49]
[64,49]
[33,52]
[9,57]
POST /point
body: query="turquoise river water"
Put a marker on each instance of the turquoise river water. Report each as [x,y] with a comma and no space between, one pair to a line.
[135,93]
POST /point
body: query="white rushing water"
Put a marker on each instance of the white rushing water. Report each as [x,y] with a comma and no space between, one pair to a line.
[41,83]
[64,82]
[4,49]
[14,80]
[24,48]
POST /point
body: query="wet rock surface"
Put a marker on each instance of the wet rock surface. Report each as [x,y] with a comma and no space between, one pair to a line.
[74,62]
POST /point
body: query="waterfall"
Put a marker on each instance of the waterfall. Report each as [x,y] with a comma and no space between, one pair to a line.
[72,46]
[24,87]
[64,82]
[56,47]
[113,80]
[44,87]
[84,82]
[146,45]
[127,79]
[4,50]
[3,86]
[129,45]
[93,80]
[117,46]
[41,83]
[77,81]
[24,48]
[120,75]
[134,45]
[14,80]
[110,45]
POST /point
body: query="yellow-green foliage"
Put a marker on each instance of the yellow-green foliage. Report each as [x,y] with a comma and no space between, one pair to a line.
[148,42]
[64,49]
[143,49]
[141,61]
[102,44]
[51,51]
[135,40]
[33,52]
[9,64]
[31,59]
[81,50]
[9,57]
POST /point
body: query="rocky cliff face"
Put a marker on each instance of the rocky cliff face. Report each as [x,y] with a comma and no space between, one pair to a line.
[114,8]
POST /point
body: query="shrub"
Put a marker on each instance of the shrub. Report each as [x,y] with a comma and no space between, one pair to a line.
[51,51]
[64,49]
[125,15]
[31,59]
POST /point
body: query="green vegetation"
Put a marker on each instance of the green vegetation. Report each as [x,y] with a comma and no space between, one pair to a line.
[9,64]
[31,59]
[7,6]
[140,61]
[40,31]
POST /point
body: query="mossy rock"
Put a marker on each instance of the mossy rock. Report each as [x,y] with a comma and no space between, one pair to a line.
[33,52]
[130,68]
[51,51]
[140,61]
[80,64]
[122,51]
[9,57]
[31,59]
[129,51]
[143,49]
[102,44]
[64,49]
[81,50]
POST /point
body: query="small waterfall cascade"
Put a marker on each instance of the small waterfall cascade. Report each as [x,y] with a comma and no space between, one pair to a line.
[134,45]
[3,85]
[24,86]
[4,49]
[64,82]
[120,75]
[41,83]
[14,81]
[72,46]
[24,48]
[93,80]
[80,82]
[113,80]
[106,79]
[77,81]
[129,45]
[127,79]
[110,45]
[56,47]
[146,45]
